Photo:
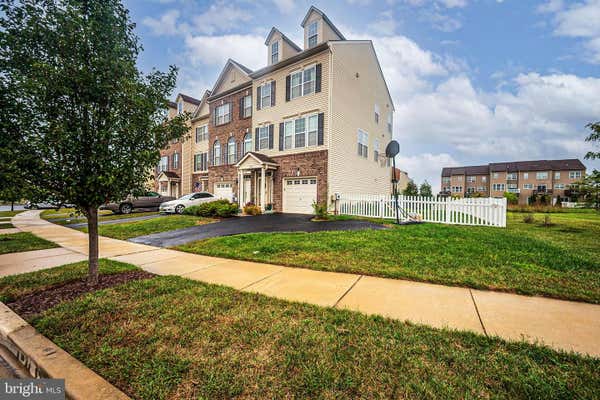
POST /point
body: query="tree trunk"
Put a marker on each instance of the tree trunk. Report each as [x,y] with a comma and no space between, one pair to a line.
[12,206]
[92,219]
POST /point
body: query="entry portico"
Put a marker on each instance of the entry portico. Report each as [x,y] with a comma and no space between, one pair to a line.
[255,177]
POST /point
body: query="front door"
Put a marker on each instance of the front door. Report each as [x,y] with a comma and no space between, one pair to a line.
[246,190]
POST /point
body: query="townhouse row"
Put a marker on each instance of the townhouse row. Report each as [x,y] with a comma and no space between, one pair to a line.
[314,122]
[523,178]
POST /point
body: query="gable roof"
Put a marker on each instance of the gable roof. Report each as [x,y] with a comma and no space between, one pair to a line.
[290,60]
[188,99]
[471,170]
[285,38]
[172,104]
[245,70]
[261,158]
[516,166]
[205,96]
[322,14]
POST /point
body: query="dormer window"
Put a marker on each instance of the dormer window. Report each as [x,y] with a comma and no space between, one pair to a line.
[180,108]
[312,34]
[274,52]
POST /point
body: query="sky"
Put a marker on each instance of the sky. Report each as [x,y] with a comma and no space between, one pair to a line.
[473,81]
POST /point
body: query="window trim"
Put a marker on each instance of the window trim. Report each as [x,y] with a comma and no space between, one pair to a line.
[575,174]
[539,174]
[262,94]
[363,143]
[276,53]
[247,111]
[263,130]
[227,114]
[303,82]
[247,140]
[231,157]
[216,158]
[307,131]
[204,135]
[202,162]
[309,36]
[175,160]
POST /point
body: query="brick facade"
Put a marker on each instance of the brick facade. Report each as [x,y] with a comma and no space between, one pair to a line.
[236,128]
[171,149]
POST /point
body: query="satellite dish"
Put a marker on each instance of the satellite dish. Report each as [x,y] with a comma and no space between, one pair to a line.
[392,149]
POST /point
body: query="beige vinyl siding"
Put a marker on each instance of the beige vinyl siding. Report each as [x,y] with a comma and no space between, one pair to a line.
[285,50]
[324,31]
[353,102]
[233,77]
[300,106]
[189,148]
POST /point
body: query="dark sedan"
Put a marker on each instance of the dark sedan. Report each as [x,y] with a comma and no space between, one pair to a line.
[149,201]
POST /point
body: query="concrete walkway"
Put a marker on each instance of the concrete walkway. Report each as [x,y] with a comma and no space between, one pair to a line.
[563,325]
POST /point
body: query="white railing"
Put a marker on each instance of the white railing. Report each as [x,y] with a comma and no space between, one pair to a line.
[484,211]
[570,204]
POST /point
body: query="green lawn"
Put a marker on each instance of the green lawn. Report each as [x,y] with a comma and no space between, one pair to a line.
[561,261]
[173,338]
[65,219]
[6,225]
[139,228]
[23,241]
[15,286]
[10,213]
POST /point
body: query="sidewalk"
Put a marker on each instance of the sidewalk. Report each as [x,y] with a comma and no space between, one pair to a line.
[563,325]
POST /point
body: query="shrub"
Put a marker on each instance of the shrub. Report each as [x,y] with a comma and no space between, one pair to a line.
[217,208]
[320,210]
[251,209]
[511,198]
[536,208]
[529,218]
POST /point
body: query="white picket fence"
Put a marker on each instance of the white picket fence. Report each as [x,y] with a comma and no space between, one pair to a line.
[484,211]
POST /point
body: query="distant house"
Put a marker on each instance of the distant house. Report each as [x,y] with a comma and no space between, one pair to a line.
[402,178]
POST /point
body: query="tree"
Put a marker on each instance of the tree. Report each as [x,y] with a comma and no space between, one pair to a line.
[425,189]
[511,198]
[411,189]
[593,137]
[90,125]
[588,189]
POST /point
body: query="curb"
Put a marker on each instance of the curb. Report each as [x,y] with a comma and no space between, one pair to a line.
[43,359]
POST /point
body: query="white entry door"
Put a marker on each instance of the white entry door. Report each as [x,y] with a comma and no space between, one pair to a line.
[224,190]
[299,194]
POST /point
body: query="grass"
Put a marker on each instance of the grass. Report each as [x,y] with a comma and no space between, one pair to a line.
[561,261]
[23,241]
[15,286]
[139,228]
[173,338]
[10,213]
[6,225]
[65,219]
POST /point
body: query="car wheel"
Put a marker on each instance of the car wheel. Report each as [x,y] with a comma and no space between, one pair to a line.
[179,209]
[125,208]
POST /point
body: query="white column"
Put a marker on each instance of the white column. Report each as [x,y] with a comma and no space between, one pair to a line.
[240,187]
[263,184]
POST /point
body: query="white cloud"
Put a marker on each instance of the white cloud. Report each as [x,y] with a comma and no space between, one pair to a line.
[285,6]
[426,166]
[445,3]
[165,25]
[220,17]
[385,25]
[215,50]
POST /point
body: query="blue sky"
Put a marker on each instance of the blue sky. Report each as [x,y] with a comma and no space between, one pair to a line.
[473,81]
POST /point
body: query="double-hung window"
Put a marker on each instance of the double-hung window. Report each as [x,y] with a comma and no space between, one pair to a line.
[557,175]
[363,143]
[247,143]
[559,186]
[263,137]
[216,153]
[200,162]
[265,95]
[164,163]
[247,104]
[376,150]
[231,145]
[201,133]
[498,187]
[525,175]
[175,160]
[274,52]
[511,176]
[471,179]
[528,186]
[574,174]
[288,135]
[541,175]
[302,82]
[445,179]
[223,113]
[484,179]
[313,34]
[300,132]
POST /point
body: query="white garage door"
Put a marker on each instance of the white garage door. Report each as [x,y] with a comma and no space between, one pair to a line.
[224,191]
[299,194]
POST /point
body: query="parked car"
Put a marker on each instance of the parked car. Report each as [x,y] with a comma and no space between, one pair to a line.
[192,199]
[149,201]
[30,205]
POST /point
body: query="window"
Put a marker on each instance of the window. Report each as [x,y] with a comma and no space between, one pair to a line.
[376,150]
[180,107]
[484,179]
[481,189]
[312,34]
[511,177]
[495,175]
[164,163]
[263,137]
[200,162]
[175,160]
[528,186]
[247,143]
[557,175]
[389,123]
[302,82]
[446,189]
[470,190]
[513,188]
[457,189]
[231,145]
[525,175]
[541,175]
[376,114]
[471,179]
[574,174]
[247,104]
[301,132]
[216,153]
[559,186]
[274,52]
[223,114]
[265,95]
[498,187]
[446,179]
[363,143]
[201,133]
[541,188]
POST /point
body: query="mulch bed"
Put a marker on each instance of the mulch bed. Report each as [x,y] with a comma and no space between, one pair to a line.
[38,302]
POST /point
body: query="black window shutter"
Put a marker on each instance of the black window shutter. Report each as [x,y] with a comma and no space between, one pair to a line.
[281,136]
[288,82]
[318,78]
[258,98]
[320,129]
[272,93]
[256,139]
[271,136]
[242,107]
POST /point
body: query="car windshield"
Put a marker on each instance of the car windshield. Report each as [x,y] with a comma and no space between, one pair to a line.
[186,197]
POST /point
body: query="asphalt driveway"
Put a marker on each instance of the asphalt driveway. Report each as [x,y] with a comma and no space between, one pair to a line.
[260,223]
